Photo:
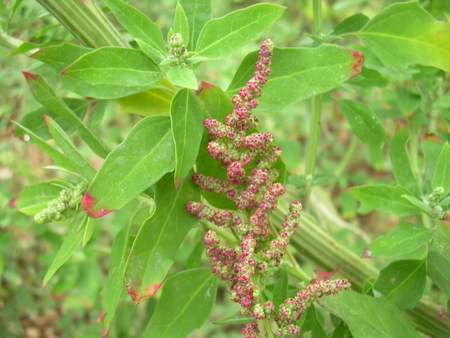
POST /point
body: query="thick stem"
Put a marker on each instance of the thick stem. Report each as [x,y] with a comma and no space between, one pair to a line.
[314,132]
[317,8]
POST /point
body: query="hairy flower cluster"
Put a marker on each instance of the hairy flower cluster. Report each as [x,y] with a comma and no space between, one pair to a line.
[63,206]
[249,159]
[178,51]
[293,308]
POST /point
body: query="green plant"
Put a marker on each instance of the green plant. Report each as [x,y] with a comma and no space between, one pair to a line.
[396,100]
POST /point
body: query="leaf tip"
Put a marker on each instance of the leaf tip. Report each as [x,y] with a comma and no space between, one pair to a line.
[12,202]
[87,204]
[105,333]
[29,75]
[367,253]
[138,297]
[431,137]
[359,61]
[324,275]
[101,317]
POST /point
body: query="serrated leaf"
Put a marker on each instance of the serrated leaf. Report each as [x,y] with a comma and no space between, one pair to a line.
[198,12]
[60,159]
[46,96]
[385,198]
[137,24]
[403,282]
[63,141]
[69,246]
[299,73]
[146,154]
[187,131]
[35,197]
[154,248]
[439,258]
[352,24]
[405,34]
[221,37]
[113,72]
[369,317]
[401,163]
[181,23]
[186,302]
[404,238]
[115,284]
[235,320]
[182,77]
[441,176]
[365,124]
[34,121]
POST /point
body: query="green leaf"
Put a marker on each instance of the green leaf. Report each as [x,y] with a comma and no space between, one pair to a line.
[365,124]
[198,12]
[195,258]
[35,197]
[405,34]
[385,198]
[431,147]
[34,121]
[181,23]
[404,238]
[60,56]
[441,176]
[97,113]
[401,163]
[183,77]
[63,141]
[115,284]
[407,101]
[69,246]
[113,72]
[137,24]
[352,24]
[146,154]
[369,317]
[369,78]
[89,231]
[46,96]
[280,289]
[235,320]
[60,159]
[313,319]
[420,204]
[153,101]
[186,302]
[403,282]
[299,73]
[439,258]
[152,52]
[154,248]
[187,131]
[221,37]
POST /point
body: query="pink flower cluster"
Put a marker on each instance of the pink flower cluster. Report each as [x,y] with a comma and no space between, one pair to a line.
[250,183]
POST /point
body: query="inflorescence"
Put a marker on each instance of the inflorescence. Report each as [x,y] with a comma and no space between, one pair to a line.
[63,206]
[249,160]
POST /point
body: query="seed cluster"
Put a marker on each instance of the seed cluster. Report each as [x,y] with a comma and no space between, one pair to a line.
[249,159]
[63,206]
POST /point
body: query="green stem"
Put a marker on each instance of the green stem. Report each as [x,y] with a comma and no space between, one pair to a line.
[314,132]
[297,271]
[318,22]
[268,328]
[346,160]
[221,231]
[9,41]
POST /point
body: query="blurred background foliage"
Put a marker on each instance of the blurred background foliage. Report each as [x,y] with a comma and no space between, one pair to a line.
[69,306]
